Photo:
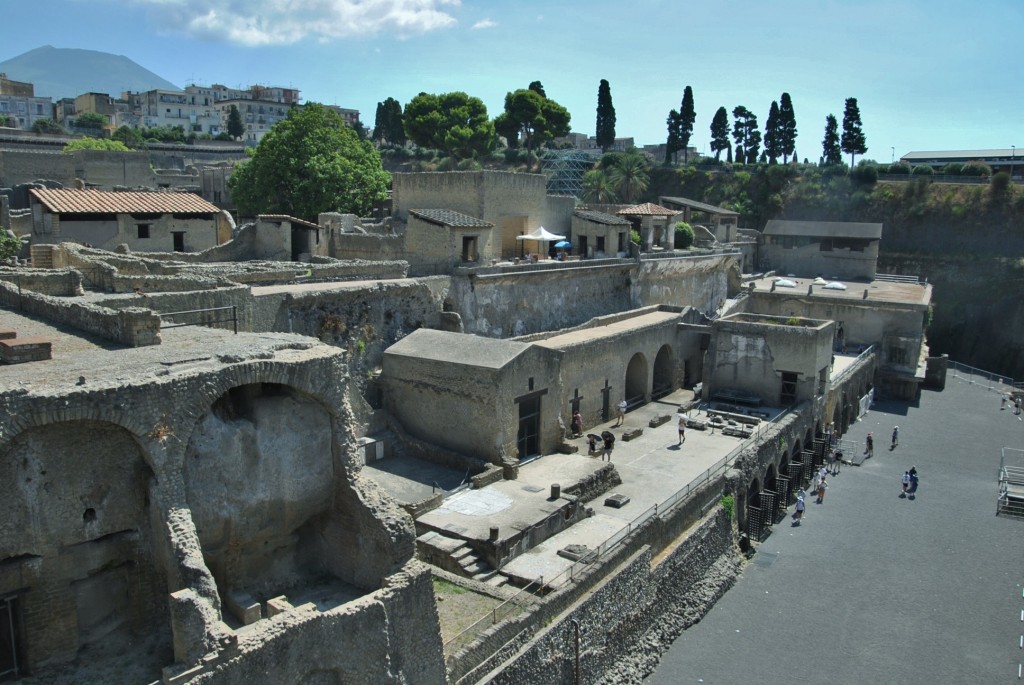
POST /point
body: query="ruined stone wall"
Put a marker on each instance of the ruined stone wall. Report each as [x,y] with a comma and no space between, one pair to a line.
[367,246]
[697,281]
[131,326]
[23,166]
[106,169]
[59,283]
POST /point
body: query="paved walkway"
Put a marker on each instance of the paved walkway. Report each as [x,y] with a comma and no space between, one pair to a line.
[874,588]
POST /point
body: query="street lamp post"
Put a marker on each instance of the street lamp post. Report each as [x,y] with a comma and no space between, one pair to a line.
[1013,157]
[893,154]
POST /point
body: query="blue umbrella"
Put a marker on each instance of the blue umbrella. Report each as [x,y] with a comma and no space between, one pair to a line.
[563,244]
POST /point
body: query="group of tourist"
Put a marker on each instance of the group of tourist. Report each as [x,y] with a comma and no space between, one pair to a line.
[909,483]
[1013,400]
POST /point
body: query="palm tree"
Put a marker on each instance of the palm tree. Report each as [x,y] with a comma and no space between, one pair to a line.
[597,187]
[629,177]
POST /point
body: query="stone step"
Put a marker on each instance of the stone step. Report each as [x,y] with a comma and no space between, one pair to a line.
[478,567]
[485,576]
[497,580]
[462,553]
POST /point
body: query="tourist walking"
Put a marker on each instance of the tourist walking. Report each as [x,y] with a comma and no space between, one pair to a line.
[839,460]
[1016,405]
[1002,401]
[822,472]
[681,422]
[622,411]
[895,437]
[798,512]
[912,490]
[577,424]
[906,483]
[870,442]
[609,445]
[831,461]
[822,487]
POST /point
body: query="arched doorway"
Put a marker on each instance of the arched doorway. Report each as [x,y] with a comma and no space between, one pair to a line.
[76,498]
[757,518]
[259,475]
[663,382]
[636,380]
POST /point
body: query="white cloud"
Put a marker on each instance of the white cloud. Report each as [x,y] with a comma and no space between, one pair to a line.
[485,24]
[283,22]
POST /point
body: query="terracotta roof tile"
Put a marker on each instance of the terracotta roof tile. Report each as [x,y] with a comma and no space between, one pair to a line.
[65,201]
[647,209]
[601,217]
[291,219]
[448,217]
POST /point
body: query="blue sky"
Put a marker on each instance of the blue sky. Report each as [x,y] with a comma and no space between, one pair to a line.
[927,74]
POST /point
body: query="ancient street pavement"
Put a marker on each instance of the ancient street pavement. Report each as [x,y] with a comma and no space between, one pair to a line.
[873,588]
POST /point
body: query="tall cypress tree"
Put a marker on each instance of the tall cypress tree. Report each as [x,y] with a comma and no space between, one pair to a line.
[853,141]
[687,115]
[830,152]
[746,135]
[772,144]
[395,122]
[379,124]
[605,117]
[672,122]
[787,127]
[720,133]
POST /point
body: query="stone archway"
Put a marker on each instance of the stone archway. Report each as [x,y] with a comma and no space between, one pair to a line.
[663,380]
[77,497]
[636,380]
[259,475]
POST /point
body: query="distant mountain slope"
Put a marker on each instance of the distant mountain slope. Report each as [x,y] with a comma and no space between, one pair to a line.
[68,72]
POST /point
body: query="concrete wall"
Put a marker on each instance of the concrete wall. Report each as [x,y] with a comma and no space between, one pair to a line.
[750,353]
[810,260]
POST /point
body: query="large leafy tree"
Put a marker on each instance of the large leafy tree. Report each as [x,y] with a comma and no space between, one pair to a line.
[746,135]
[853,141]
[605,117]
[532,117]
[720,133]
[629,177]
[772,142]
[235,128]
[455,123]
[830,150]
[687,115]
[787,127]
[309,163]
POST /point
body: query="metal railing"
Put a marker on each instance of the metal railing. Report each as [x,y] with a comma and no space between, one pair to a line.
[512,605]
[986,379]
[233,319]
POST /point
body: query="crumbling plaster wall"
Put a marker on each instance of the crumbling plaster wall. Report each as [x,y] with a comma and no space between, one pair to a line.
[700,281]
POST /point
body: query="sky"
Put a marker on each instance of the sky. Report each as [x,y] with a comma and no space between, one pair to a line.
[927,74]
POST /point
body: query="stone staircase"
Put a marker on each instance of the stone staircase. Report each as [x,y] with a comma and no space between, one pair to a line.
[456,556]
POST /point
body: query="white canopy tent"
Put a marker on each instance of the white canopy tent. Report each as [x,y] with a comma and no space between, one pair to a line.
[541,235]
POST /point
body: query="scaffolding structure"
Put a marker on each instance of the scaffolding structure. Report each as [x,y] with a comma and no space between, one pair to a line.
[565,169]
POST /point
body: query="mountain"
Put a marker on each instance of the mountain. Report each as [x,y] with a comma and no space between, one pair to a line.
[68,72]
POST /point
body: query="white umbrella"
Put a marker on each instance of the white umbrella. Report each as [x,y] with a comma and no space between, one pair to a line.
[541,235]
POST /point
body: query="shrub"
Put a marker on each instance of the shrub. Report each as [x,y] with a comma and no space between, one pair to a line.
[96,144]
[864,174]
[976,169]
[1000,183]
[634,236]
[899,168]
[953,169]
[729,504]
[923,170]
[683,235]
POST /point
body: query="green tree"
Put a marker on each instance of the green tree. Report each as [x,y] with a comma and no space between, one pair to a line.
[787,128]
[309,163]
[89,143]
[90,120]
[687,115]
[597,187]
[831,153]
[532,117]
[720,133]
[46,125]
[772,142]
[629,177]
[853,142]
[454,123]
[388,126]
[538,88]
[746,135]
[9,246]
[605,116]
[131,137]
[235,128]
[673,123]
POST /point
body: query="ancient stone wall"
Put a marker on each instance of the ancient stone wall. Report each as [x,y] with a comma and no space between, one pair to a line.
[106,169]
[131,326]
[367,246]
[59,283]
[23,166]
[698,281]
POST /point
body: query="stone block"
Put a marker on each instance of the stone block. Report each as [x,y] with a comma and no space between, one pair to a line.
[568,448]
[20,350]
[278,605]
[632,434]
[243,607]
[659,420]
[617,501]
[8,333]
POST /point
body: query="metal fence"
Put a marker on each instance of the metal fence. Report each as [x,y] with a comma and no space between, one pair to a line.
[985,379]
[203,320]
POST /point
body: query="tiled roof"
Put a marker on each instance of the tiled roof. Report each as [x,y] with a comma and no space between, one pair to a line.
[600,217]
[291,219]
[824,229]
[65,201]
[647,209]
[448,217]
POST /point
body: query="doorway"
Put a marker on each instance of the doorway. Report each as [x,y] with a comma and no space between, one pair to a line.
[10,659]
[529,428]
[179,240]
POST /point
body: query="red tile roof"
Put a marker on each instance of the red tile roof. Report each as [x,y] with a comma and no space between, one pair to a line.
[647,209]
[64,201]
[290,219]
